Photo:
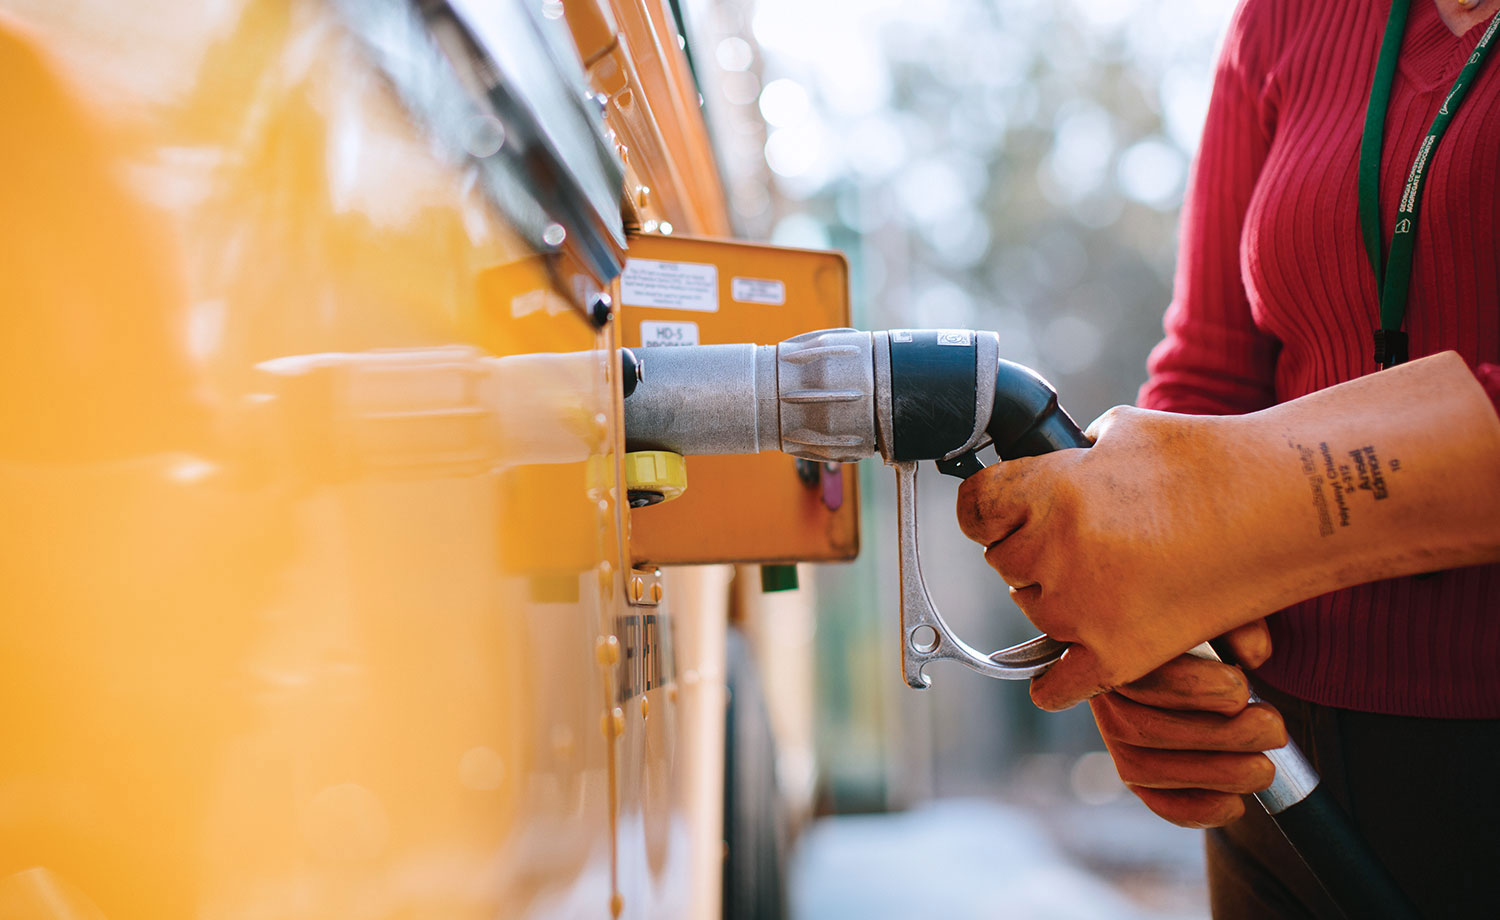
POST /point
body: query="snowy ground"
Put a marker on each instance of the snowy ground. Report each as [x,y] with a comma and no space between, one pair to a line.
[974,859]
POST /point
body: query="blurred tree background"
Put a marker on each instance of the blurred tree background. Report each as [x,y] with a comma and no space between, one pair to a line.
[1013,165]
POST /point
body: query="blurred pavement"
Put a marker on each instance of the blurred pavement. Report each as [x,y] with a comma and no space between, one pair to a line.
[974,859]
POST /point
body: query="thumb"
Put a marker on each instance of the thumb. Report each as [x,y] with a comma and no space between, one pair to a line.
[1077,676]
[1101,425]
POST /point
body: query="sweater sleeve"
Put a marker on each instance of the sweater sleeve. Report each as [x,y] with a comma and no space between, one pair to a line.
[1214,360]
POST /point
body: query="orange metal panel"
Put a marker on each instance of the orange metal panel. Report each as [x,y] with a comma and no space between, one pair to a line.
[654,113]
[649,29]
[654,186]
[593,28]
[313,521]
[750,508]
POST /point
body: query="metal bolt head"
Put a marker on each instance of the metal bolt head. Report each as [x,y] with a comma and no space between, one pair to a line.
[808,471]
[613,723]
[601,310]
[642,498]
[637,588]
[607,651]
[632,371]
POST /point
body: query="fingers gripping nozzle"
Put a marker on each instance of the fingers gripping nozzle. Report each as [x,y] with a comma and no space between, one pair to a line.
[841,395]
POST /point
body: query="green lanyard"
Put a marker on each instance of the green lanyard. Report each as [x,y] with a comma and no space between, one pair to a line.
[1394,282]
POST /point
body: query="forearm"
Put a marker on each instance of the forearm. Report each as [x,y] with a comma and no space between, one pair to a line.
[1390,474]
[1173,529]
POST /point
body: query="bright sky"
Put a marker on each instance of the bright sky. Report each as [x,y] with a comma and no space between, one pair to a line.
[828,95]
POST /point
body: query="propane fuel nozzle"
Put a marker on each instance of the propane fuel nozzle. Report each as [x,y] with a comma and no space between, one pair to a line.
[841,395]
[941,395]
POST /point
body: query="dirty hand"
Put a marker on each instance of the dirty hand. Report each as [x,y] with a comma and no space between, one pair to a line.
[1173,529]
[1133,550]
[1184,739]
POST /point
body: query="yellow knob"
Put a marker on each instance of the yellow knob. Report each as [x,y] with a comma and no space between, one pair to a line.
[653,476]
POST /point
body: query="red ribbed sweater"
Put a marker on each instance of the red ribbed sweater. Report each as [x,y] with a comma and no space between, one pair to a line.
[1274,299]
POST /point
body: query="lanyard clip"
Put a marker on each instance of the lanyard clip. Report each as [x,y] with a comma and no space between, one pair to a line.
[1390,347]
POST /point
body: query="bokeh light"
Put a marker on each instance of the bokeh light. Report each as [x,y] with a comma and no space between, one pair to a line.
[1016,167]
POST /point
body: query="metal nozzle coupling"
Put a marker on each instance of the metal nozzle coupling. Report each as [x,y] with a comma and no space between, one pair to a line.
[840,395]
[837,395]
[811,396]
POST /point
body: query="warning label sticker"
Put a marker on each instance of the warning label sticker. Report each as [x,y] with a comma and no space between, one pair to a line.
[758,290]
[673,285]
[656,334]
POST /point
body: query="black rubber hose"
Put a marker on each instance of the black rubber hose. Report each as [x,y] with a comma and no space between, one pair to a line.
[1325,838]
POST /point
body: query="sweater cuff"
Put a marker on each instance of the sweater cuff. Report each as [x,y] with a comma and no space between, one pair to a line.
[1489,378]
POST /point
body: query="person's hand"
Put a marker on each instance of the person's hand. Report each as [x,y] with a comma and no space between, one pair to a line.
[1184,739]
[1133,550]
[1172,529]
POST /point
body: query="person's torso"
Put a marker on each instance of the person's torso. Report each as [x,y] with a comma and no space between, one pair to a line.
[1416,646]
[1302,257]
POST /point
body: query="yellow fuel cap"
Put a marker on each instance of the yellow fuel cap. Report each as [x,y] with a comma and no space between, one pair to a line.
[653,476]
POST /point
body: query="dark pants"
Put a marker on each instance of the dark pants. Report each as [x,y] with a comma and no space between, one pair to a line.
[1425,793]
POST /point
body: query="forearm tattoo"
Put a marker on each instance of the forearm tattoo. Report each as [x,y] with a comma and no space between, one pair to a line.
[1340,481]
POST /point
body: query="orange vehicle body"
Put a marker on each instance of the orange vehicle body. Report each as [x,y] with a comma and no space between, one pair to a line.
[316,564]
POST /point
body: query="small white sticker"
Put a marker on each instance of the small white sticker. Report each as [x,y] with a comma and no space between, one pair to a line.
[655,334]
[900,335]
[673,285]
[954,338]
[758,290]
